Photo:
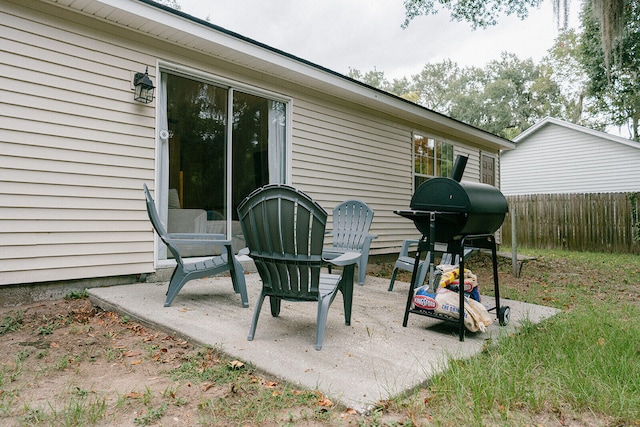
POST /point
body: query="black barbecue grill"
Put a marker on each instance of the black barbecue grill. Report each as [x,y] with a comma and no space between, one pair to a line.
[457,214]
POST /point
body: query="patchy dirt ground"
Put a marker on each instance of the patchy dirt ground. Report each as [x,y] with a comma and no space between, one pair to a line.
[66,362]
[57,352]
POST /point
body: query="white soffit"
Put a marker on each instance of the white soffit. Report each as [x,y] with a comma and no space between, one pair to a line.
[184,30]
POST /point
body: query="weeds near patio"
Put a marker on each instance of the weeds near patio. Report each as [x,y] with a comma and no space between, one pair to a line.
[98,368]
[252,400]
[580,365]
[75,294]
[78,410]
[11,323]
[151,415]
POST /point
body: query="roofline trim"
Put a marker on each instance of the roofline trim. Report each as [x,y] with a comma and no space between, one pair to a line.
[551,120]
[202,29]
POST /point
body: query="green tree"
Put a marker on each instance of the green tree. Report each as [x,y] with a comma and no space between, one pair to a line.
[615,87]
[479,13]
[171,3]
[400,87]
[435,85]
[507,96]
[564,62]
[610,14]
[373,78]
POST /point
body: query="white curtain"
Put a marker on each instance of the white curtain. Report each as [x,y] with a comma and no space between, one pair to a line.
[277,142]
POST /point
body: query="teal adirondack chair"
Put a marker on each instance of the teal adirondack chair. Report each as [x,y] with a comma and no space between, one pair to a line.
[406,262]
[350,233]
[210,266]
[284,230]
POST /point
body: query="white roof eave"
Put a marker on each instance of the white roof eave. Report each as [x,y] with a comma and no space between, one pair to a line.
[551,120]
[181,29]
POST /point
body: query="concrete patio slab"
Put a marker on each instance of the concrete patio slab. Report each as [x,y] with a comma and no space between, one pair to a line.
[373,359]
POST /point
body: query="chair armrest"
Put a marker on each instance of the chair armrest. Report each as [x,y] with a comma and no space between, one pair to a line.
[346,258]
[406,244]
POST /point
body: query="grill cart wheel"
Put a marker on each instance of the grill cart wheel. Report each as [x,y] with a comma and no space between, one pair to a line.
[504,315]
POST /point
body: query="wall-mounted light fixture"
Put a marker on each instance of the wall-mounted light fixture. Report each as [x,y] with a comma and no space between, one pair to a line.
[143,87]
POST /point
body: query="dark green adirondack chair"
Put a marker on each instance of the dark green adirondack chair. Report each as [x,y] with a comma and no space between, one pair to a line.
[284,230]
[350,233]
[210,266]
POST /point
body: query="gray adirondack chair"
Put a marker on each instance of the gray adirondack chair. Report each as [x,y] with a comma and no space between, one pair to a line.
[406,262]
[284,230]
[350,233]
[210,266]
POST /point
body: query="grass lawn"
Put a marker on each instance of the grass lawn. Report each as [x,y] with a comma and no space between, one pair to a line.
[581,367]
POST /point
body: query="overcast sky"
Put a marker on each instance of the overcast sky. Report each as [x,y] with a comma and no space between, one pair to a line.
[367,34]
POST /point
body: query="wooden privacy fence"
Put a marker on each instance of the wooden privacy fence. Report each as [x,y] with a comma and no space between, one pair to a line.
[599,222]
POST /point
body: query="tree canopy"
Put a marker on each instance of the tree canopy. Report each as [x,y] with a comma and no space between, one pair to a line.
[479,13]
[484,13]
[614,89]
[505,97]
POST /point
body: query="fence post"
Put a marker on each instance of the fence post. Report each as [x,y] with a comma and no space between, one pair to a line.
[514,243]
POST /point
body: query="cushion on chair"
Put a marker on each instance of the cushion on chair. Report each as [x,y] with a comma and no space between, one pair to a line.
[174,199]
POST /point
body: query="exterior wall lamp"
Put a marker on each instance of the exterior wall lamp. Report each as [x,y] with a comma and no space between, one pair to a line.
[143,87]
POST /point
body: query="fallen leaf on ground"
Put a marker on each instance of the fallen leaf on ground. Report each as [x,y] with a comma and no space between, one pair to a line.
[236,364]
[325,402]
[350,411]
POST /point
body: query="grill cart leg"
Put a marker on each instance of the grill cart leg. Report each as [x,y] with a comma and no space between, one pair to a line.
[414,277]
[502,313]
[421,246]
[461,329]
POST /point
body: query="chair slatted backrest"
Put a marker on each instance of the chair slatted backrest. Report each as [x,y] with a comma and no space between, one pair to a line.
[157,224]
[284,230]
[351,223]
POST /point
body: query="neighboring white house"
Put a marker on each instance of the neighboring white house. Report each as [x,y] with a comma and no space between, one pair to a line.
[229,114]
[555,156]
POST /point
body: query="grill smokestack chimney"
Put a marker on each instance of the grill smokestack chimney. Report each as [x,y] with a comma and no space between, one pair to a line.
[458,167]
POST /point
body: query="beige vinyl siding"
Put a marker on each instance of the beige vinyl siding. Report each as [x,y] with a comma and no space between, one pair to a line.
[74,151]
[75,148]
[341,153]
[472,169]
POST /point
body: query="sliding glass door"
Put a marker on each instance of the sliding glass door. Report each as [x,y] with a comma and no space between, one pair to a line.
[217,144]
